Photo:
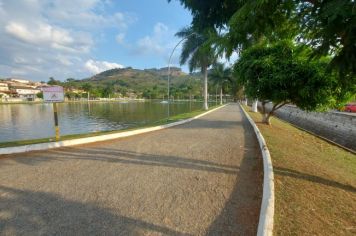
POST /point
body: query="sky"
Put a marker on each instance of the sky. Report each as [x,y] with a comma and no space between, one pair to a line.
[79,38]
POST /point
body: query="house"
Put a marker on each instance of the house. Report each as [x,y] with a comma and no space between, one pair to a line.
[27,93]
[4,86]
[21,81]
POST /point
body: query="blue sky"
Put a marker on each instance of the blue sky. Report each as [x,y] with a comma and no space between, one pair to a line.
[79,38]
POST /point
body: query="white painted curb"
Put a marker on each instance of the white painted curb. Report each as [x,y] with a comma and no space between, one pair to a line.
[72,142]
[265,224]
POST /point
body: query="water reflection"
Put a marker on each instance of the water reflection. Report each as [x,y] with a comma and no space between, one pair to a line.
[30,121]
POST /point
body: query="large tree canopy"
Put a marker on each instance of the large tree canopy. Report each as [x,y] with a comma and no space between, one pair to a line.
[281,73]
[328,26]
[198,52]
[220,75]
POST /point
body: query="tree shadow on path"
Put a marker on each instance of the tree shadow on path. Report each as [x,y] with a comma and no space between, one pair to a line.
[312,178]
[26,212]
[240,215]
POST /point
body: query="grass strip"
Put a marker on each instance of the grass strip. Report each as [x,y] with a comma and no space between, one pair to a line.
[172,119]
[315,182]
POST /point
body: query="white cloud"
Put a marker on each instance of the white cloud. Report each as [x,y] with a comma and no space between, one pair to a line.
[149,45]
[47,35]
[160,42]
[120,38]
[160,29]
[43,38]
[87,14]
[96,67]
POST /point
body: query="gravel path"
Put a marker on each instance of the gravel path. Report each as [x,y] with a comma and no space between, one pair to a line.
[200,178]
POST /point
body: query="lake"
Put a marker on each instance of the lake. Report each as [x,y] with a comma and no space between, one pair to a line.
[33,121]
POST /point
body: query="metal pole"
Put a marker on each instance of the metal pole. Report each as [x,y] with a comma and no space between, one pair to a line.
[56,126]
[169,69]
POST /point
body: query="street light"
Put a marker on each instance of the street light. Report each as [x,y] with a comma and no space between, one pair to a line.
[169,68]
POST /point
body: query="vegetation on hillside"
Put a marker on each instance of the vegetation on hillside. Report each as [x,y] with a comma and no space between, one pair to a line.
[135,83]
[130,82]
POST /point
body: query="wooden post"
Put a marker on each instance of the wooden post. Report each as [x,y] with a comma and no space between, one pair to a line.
[56,126]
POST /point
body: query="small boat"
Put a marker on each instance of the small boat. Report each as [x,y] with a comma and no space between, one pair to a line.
[164,102]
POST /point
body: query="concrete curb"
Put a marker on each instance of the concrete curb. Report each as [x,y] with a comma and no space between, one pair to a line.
[72,142]
[265,224]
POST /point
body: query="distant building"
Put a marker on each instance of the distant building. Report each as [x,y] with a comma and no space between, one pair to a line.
[13,89]
[4,86]
[22,81]
[24,92]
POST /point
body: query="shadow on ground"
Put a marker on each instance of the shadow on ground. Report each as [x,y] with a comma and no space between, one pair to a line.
[240,214]
[24,212]
[124,157]
[209,124]
[39,213]
[312,178]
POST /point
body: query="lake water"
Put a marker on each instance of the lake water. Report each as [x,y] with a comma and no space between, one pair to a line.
[32,121]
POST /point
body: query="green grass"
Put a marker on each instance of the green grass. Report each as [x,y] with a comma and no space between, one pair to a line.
[315,182]
[172,119]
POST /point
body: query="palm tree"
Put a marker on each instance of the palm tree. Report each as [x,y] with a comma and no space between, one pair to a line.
[199,53]
[87,88]
[219,74]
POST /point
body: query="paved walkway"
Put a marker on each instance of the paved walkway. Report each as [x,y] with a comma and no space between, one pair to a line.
[200,178]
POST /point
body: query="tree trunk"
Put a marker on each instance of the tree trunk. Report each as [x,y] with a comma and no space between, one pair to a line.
[221,100]
[205,71]
[254,106]
[267,118]
[216,95]
[245,102]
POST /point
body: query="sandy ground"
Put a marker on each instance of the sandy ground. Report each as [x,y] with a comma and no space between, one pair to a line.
[200,178]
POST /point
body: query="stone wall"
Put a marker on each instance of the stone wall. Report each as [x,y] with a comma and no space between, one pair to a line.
[337,127]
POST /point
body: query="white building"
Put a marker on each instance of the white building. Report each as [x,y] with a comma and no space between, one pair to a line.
[4,87]
[21,81]
[25,92]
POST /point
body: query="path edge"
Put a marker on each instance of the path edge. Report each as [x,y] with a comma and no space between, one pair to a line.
[98,138]
[265,224]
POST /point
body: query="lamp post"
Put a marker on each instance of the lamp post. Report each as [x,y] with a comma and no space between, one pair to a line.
[169,70]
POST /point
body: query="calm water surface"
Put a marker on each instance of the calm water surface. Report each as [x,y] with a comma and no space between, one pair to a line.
[32,121]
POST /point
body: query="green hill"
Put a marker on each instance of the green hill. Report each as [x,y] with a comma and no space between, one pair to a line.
[147,83]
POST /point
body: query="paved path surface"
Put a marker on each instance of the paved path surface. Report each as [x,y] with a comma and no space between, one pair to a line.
[201,178]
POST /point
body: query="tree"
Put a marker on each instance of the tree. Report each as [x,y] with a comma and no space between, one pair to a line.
[328,26]
[39,95]
[107,90]
[281,73]
[52,81]
[70,95]
[198,52]
[87,88]
[219,74]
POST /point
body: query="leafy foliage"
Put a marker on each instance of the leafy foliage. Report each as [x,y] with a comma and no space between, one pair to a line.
[219,74]
[281,73]
[196,49]
[52,81]
[198,52]
[328,26]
